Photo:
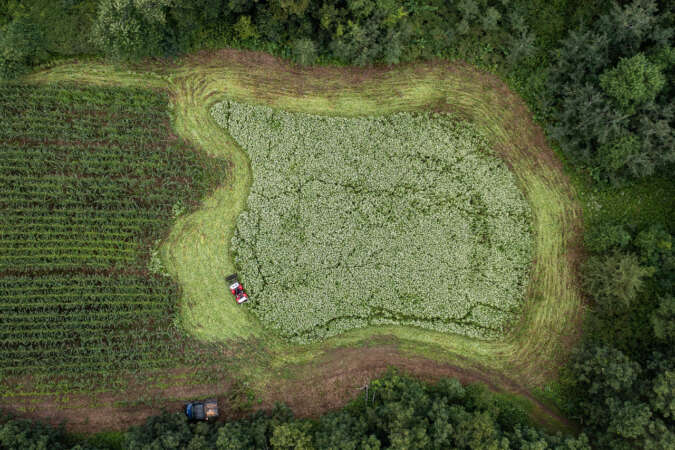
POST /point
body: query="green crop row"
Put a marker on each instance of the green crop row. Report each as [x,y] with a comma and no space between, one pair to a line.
[90,177]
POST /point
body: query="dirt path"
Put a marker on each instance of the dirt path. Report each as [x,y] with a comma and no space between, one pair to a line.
[324,387]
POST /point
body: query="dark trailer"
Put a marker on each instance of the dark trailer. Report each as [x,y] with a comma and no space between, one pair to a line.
[206,410]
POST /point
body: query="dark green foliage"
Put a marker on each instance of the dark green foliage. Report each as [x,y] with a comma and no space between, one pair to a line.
[128,29]
[663,399]
[22,45]
[622,383]
[612,103]
[34,31]
[304,51]
[90,178]
[170,431]
[600,239]
[613,155]
[655,245]
[621,403]
[359,32]
[614,281]
[253,432]
[21,434]
[663,320]
[633,82]
[395,412]
[632,327]
[293,435]
[630,277]
[5,12]
[344,430]
[369,32]
[245,30]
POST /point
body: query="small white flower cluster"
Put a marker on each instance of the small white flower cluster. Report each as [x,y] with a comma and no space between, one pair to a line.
[401,219]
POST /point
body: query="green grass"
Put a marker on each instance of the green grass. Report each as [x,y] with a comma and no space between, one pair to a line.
[197,253]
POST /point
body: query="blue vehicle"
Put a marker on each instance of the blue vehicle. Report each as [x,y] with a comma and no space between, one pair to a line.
[206,410]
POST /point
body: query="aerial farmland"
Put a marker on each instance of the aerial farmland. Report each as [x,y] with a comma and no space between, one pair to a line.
[373,224]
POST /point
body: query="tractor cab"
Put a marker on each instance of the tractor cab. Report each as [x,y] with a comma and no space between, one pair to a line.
[237,289]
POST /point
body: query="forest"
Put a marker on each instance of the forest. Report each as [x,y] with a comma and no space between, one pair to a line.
[596,75]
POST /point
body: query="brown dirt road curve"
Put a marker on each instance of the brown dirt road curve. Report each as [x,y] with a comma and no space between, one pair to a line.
[330,385]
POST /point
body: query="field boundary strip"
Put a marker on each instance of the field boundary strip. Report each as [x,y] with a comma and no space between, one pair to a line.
[197,253]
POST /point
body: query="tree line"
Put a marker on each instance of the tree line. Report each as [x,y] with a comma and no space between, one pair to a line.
[599,73]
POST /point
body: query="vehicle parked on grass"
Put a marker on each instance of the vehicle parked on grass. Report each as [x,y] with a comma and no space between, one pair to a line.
[237,289]
[206,410]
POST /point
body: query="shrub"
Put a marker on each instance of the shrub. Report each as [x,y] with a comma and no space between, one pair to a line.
[599,238]
[304,51]
[245,29]
[663,320]
[615,280]
[403,219]
[24,434]
[634,81]
[21,47]
[131,29]
[654,244]
[618,153]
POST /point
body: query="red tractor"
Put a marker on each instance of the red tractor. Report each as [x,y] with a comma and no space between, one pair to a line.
[237,289]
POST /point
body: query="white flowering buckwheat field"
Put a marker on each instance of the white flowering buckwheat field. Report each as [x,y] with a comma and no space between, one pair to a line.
[401,219]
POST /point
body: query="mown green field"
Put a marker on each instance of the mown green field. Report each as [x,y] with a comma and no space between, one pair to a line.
[553,306]
[197,251]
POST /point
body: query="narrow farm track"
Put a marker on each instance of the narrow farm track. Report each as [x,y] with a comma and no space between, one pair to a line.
[197,251]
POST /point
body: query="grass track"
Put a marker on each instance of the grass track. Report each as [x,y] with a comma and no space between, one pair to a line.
[197,252]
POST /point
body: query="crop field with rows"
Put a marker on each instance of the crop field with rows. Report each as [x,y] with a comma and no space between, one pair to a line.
[400,219]
[90,178]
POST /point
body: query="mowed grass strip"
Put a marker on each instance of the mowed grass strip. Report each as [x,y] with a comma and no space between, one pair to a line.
[534,346]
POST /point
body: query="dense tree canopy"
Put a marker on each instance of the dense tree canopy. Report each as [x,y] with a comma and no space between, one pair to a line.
[601,72]
[624,404]
[130,28]
[613,95]
[25,434]
[21,47]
